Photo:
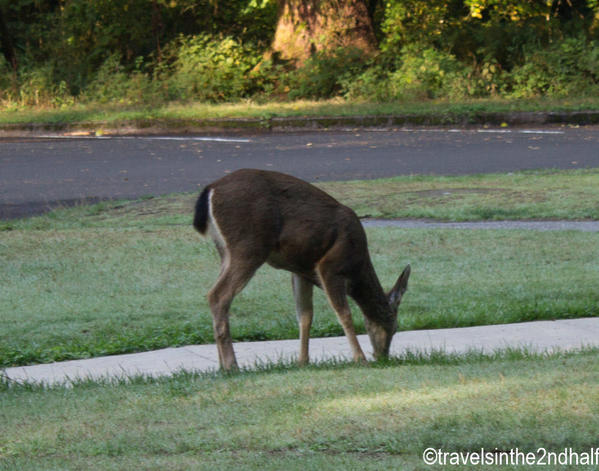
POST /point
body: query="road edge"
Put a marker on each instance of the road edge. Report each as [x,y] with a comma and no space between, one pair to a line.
[301,123]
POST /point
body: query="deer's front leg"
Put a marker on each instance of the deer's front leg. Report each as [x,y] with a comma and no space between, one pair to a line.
[302,293]
[334,288]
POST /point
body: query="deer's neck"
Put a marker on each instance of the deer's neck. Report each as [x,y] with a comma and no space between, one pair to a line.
[368,293]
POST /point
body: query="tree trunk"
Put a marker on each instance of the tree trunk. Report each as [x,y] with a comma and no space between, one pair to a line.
[308,26]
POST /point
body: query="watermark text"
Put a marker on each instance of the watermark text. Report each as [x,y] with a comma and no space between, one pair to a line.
[513,457]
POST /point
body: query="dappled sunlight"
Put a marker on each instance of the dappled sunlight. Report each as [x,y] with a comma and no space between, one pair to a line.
[507,394]
[335,409]
[403,399]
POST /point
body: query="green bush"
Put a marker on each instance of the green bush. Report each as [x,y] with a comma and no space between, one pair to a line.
[212,69]
[324,74]
[422,72]
[428,73]
[113,84]
[35,86]
[568,67]
[486,79]
[372,84]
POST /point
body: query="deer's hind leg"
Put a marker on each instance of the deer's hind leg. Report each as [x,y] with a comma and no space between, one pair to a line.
[236,271]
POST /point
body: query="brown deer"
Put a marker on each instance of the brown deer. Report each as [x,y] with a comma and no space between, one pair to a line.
[257,216]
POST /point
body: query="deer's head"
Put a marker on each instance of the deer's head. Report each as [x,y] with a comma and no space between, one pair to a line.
[381,331]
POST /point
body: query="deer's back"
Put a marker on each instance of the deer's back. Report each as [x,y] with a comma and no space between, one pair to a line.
[293,221]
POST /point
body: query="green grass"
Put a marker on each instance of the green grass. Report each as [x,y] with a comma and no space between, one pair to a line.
[344,417]
[73,293]
[177,115]
[543,194]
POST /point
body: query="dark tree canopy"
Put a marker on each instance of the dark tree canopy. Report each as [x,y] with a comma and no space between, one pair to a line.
[143,50]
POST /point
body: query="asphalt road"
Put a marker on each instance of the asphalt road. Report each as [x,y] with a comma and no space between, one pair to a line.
[39,173]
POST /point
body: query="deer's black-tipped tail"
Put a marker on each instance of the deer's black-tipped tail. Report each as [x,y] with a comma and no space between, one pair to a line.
[200,219]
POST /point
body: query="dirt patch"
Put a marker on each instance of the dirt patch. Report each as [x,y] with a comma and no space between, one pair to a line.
[156,206]
[457,191]
[10,211]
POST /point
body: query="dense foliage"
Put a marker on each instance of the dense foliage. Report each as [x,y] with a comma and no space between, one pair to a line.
[57,52]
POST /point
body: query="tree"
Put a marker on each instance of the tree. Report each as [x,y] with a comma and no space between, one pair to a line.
[307,26]
[6,43]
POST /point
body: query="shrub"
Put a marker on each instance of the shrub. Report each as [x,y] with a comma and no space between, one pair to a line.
[36,86]
[427,72]
[324,74]
[486,79]
[372,84]
[424,72]
[211,68]
[568,67]
[113,84]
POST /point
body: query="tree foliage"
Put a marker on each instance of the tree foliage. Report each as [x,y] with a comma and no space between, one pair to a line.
[53,52]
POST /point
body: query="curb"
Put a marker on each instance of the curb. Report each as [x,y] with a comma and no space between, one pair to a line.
[301,123]
[431,119]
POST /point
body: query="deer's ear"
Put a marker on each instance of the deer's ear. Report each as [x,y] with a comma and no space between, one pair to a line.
[400,287]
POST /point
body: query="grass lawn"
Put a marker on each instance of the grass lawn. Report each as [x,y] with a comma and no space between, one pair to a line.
[71,293]
[175,115]
[344,417]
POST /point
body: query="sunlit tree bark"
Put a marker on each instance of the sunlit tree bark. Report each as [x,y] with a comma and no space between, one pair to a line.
[308,26]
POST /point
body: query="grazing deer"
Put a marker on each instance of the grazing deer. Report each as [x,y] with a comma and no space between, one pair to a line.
[257,216]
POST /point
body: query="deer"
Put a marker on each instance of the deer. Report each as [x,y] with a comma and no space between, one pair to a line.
[259,216]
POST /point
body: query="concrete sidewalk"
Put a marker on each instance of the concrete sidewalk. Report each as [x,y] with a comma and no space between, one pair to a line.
[540,336]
